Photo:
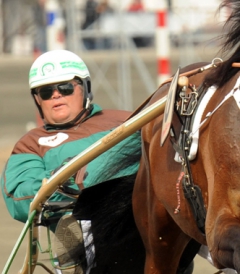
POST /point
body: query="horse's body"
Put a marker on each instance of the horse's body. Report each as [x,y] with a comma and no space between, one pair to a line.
[165,235]
[216,170]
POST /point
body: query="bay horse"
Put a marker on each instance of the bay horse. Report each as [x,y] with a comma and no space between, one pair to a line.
[180,198]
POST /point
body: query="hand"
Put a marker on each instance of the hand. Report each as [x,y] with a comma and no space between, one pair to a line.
[44,181]
[66,187]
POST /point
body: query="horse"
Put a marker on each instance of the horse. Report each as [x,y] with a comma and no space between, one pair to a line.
[182,198]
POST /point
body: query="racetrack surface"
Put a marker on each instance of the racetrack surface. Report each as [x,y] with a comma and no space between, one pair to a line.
[18,113]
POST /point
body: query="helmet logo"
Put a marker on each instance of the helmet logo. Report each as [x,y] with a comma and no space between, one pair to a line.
[47,69]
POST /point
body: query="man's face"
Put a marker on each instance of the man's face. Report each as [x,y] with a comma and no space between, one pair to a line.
[61,108]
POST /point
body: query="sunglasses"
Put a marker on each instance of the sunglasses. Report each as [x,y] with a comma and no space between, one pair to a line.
[65,89]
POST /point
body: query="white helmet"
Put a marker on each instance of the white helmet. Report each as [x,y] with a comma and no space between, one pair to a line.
[58,66]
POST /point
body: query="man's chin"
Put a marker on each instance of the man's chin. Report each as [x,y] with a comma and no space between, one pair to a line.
[61,120]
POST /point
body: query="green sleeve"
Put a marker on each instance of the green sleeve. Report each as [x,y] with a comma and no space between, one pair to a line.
[119,161]
[20,181]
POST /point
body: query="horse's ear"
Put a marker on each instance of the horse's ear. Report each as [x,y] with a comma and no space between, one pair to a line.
[169,108]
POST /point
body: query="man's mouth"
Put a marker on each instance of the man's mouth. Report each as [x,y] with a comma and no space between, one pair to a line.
[58,106]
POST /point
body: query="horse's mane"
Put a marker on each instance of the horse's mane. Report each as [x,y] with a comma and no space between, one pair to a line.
[231,38]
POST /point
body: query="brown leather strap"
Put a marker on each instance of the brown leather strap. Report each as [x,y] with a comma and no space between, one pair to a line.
[188,73]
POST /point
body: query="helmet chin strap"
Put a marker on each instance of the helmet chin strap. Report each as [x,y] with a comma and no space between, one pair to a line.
[73,122]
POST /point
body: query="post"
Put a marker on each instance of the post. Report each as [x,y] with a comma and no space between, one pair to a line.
[55,26]
[1,28]
[162,43]
[73,42]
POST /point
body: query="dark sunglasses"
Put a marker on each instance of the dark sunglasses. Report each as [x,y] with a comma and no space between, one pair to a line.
[65,89]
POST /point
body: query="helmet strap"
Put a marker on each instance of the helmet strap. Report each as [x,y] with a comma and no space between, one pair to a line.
[88,103]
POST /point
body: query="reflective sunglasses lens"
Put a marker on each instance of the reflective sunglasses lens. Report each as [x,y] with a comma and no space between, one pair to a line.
[45,92]
[66,89]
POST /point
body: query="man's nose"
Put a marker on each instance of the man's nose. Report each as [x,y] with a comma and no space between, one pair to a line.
[56,93]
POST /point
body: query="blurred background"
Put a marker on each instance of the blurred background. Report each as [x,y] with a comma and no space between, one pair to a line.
[129,46]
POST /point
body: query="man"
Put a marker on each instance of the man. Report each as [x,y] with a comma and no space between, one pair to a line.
[60,85]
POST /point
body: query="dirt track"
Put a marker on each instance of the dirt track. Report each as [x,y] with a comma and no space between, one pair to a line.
[17,110]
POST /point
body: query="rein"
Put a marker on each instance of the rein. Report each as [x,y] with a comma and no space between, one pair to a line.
[189,73]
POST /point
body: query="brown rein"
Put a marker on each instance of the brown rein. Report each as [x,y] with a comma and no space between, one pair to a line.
[192,72]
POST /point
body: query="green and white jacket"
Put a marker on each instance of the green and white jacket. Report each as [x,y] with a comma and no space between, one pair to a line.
[38,153]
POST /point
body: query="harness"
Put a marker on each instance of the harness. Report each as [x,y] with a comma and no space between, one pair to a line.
[192,192]
[186,106]
[186,144]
